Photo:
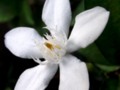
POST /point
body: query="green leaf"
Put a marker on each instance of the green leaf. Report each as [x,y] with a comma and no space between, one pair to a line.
[93,54]
[107,68]
[26,13]
[6,13]
[78,10]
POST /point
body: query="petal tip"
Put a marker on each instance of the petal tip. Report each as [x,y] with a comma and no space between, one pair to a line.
[20,42]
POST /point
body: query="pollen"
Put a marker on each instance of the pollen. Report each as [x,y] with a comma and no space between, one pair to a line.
[49,45]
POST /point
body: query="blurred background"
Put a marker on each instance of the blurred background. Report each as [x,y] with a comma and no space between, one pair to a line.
[102,57]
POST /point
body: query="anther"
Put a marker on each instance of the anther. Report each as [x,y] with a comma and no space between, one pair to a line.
[49,45]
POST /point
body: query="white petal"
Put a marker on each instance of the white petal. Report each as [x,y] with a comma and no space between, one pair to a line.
[57,14]
[89,25]
[23,42]
[36,78]
[73,74]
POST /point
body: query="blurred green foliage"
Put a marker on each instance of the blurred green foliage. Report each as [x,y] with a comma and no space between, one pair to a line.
[102,57]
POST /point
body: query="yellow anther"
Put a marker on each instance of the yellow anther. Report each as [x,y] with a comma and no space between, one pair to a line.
[49,45]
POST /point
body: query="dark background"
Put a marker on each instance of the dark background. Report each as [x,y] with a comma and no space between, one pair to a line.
[102,57]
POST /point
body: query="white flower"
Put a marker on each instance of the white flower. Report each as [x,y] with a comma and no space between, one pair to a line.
[56,48]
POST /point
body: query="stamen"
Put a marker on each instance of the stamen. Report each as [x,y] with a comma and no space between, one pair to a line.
[57,46]
[37,60]
[49,45]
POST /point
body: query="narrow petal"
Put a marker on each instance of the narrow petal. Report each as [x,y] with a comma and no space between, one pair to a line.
[57,14]
[73,74]
[23,42]
[36,78]
[88,27]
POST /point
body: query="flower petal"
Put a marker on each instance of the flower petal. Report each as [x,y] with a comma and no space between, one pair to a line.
[23,42]
[57,14]
[73,74]
[36,78]
[89,25]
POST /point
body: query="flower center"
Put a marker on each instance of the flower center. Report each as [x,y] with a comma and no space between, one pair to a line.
[51,46]
[54,47]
